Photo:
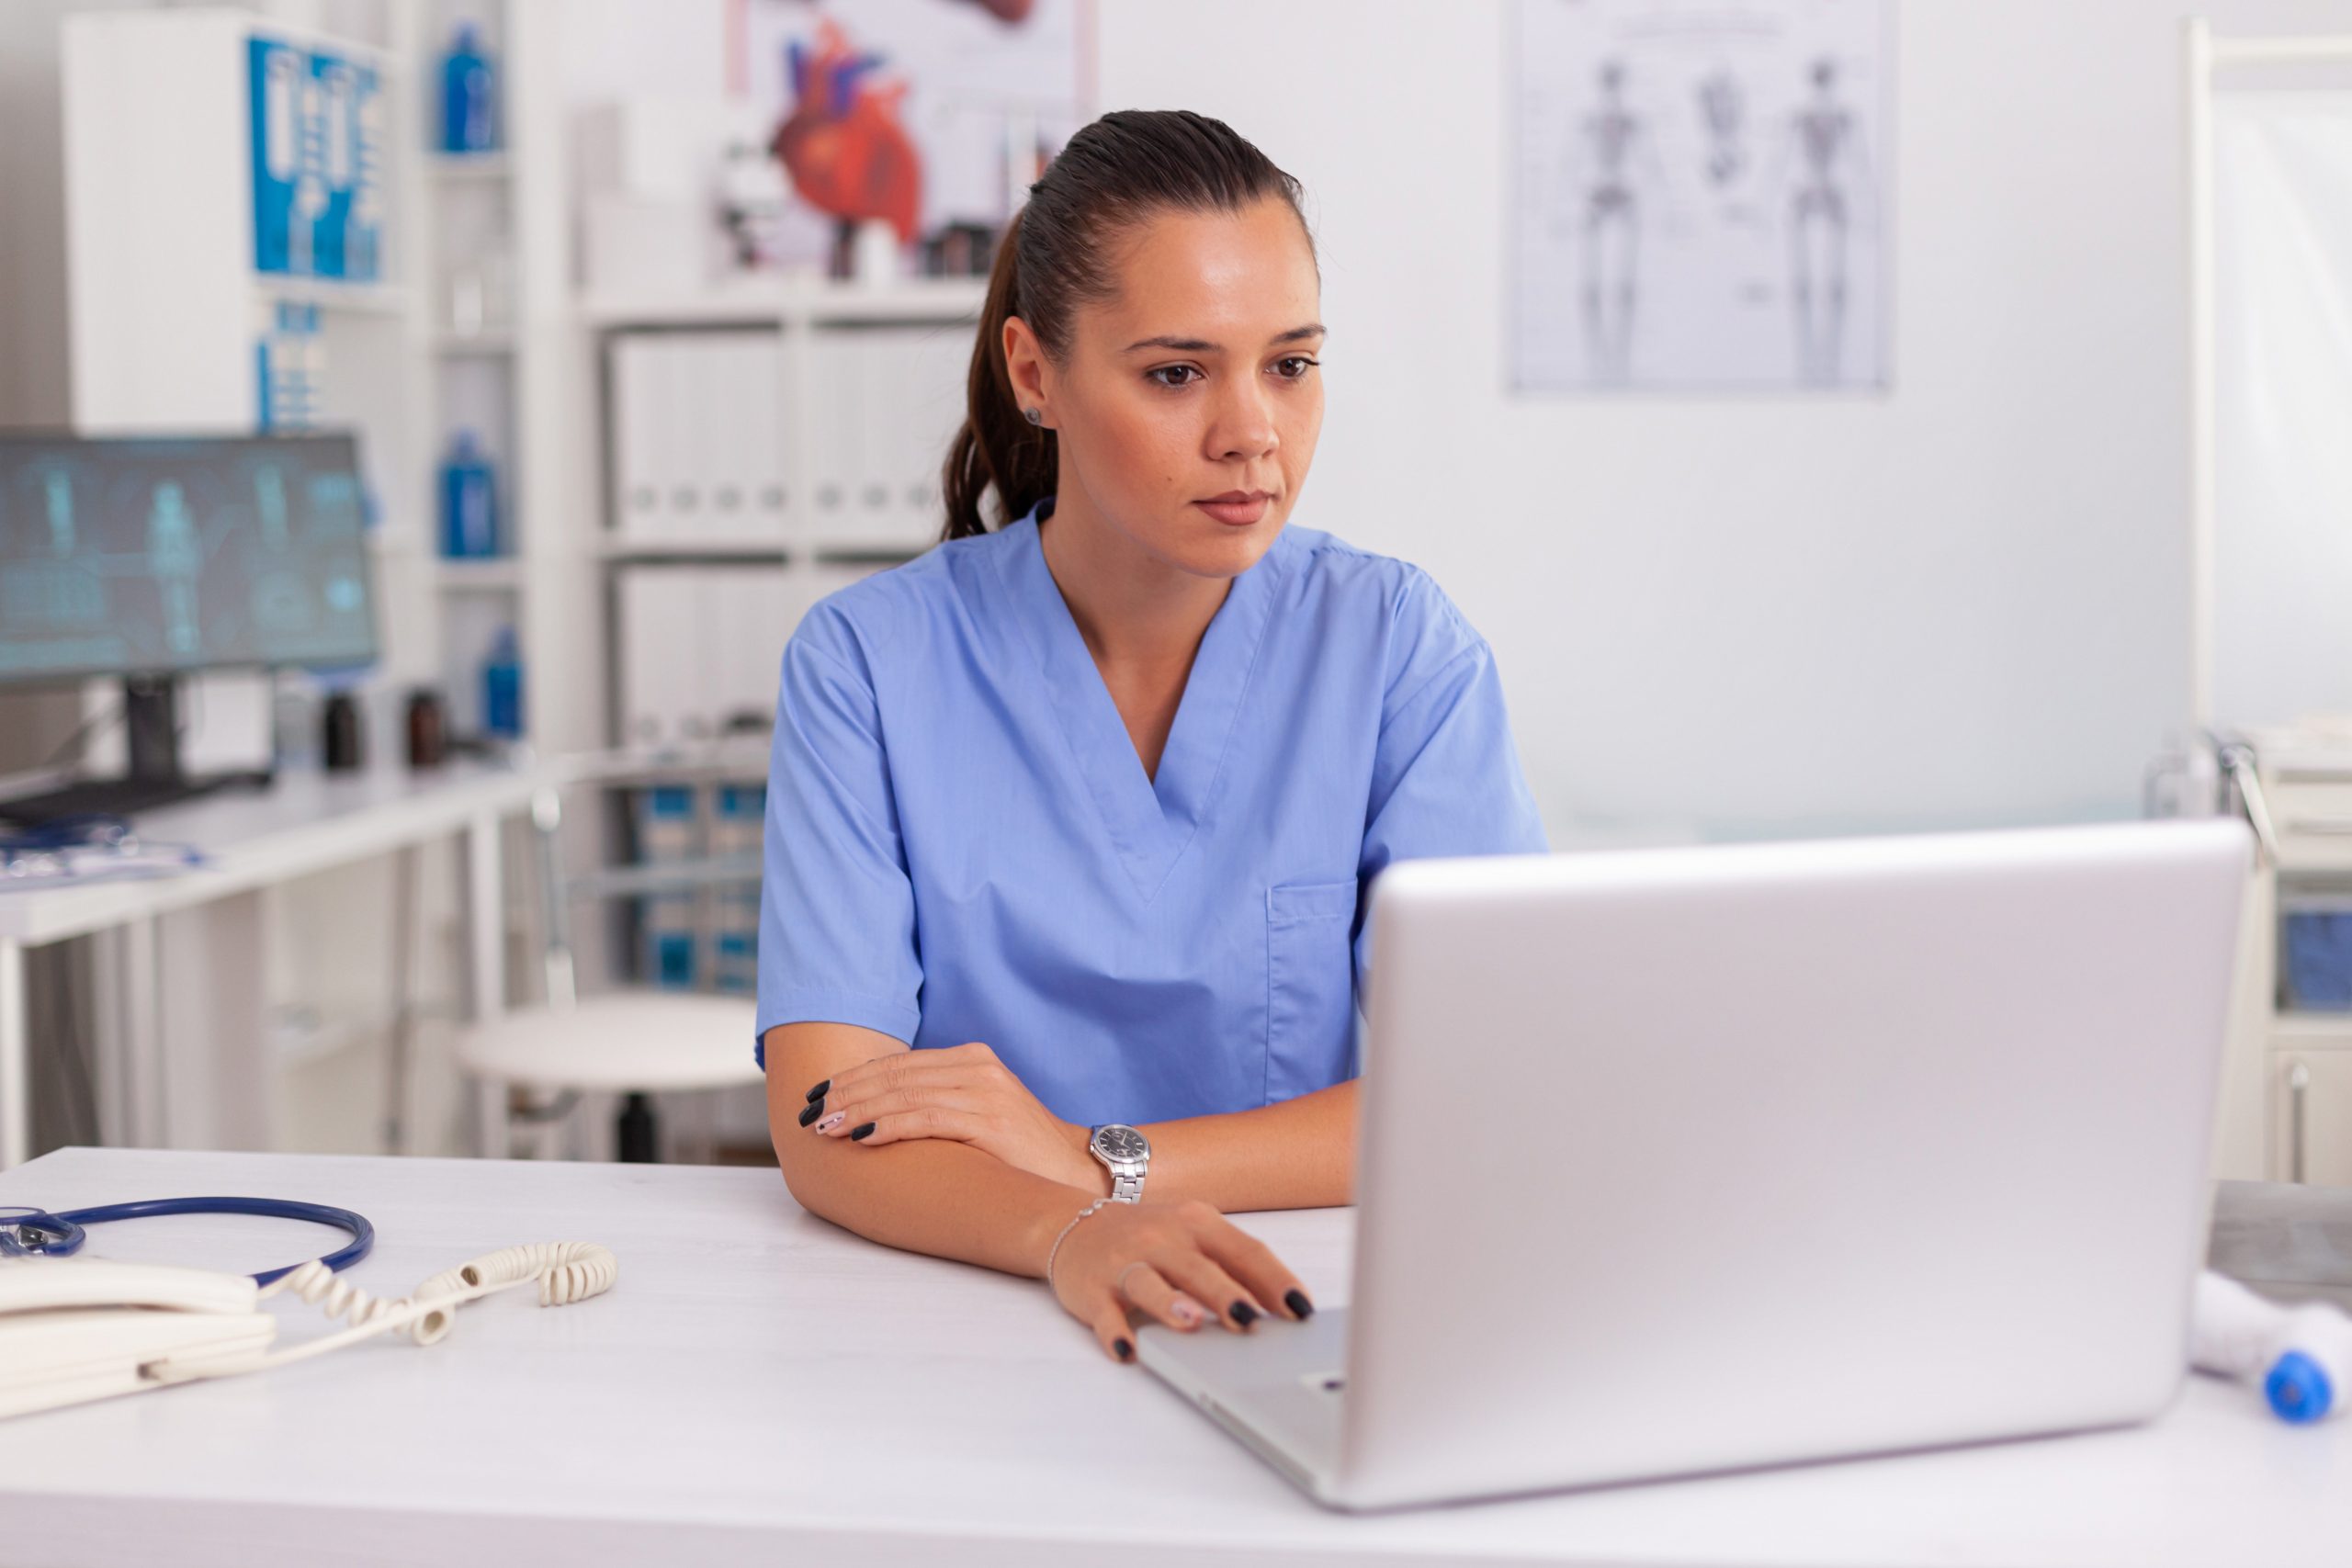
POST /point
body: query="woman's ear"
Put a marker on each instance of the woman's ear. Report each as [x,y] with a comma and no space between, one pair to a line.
[1025,366]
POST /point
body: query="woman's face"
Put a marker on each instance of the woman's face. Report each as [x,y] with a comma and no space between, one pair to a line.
[1196,383]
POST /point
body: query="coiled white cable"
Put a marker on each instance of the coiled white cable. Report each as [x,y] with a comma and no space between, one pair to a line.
[338,1297]
[565,1272]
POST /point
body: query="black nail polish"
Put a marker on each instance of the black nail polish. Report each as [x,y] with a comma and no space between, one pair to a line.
[859,1132]
[1244,1313]
[816,1109]
[1122,1349]
[1298,1304]
[818,1092]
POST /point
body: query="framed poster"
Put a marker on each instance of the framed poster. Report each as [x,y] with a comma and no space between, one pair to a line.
[1700,194]
[930,115]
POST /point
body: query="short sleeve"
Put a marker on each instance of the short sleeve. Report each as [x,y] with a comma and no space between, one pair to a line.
[837,911]
[1447,776]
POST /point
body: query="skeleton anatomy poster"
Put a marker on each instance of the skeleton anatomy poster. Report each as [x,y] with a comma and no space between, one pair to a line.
[1701,196]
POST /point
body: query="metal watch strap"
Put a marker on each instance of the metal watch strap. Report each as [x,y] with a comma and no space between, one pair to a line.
[1126,1177]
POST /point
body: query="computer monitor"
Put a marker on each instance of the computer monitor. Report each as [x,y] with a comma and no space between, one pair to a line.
[147,557]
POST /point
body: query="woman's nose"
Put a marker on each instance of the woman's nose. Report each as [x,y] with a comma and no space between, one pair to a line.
[1244,427]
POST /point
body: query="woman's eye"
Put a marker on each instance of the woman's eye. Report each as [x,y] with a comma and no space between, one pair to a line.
[1302,363]
[1172,371]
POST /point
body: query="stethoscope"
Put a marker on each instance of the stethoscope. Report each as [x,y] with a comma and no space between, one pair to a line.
[35,1232]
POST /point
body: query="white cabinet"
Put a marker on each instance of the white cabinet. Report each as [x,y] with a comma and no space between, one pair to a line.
[2286,1111]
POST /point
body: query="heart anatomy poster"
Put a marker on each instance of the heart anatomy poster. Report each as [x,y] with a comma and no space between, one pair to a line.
[1700,194]
[928,114]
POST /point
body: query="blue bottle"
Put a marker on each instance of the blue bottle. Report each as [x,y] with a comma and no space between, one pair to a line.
[502,687]
[468,502]
[469,96]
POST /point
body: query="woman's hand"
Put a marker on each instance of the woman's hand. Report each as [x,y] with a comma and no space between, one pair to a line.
[1184,1264]
[963,1094]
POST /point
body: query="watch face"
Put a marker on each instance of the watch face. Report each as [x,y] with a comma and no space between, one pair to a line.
[1122,1143]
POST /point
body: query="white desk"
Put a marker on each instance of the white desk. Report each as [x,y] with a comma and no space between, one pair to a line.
[761,1388]
[306,822]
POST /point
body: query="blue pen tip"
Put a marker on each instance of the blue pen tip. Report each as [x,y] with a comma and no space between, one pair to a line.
[2298,1388]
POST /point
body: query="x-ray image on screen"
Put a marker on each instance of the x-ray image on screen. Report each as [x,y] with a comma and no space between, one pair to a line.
[156,556]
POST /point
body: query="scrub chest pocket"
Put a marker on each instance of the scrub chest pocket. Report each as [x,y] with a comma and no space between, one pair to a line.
[1310,988]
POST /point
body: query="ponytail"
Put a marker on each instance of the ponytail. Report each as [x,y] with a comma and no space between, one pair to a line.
[1113,175]
[996,446]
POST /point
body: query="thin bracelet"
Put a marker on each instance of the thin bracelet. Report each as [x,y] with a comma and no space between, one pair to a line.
[1055,1252]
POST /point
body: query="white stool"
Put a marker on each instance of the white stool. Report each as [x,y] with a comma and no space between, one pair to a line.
[630,1042]
[633,1042]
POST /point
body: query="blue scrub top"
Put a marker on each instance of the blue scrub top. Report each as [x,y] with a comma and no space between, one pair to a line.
[962,844]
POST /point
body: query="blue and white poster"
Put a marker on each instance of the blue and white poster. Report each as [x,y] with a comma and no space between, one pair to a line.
[318,128]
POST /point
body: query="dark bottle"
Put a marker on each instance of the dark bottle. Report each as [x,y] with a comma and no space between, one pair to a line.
[634,1132]
[428,741]
[341,741]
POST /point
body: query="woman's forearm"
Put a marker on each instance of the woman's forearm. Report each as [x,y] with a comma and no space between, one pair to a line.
[926,1195]
[945,1199]
[985,1201]
[1300,1154]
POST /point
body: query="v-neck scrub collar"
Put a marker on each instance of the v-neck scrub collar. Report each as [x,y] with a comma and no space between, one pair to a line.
[961,843]
[1150,817]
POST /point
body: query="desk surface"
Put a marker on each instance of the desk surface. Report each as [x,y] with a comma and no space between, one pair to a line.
[760,1381]
[305,821]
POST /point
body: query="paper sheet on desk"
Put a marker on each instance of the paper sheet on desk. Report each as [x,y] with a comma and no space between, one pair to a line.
[74,866]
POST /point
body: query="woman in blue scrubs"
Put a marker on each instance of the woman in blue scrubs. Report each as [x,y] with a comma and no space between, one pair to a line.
[1071,821]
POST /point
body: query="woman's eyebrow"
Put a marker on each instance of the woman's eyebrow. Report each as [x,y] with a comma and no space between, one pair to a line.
[1200,346]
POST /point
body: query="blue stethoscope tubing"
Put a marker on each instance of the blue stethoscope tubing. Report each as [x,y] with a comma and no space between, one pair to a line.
[66,1232]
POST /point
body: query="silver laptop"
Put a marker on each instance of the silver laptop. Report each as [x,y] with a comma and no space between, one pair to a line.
[1694,1159]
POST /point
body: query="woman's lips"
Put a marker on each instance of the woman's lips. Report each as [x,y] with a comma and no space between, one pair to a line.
[1239,514]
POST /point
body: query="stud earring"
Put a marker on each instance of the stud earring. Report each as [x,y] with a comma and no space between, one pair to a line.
[1032,416]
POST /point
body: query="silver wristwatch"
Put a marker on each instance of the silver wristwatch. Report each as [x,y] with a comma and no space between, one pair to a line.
[1127,1153]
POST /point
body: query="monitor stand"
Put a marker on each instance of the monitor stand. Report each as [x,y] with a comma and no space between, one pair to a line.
[150,717]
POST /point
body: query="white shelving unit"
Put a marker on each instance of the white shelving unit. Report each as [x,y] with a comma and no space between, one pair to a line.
[168,300]
[788,304]
[815,541]
[2286,1077]
[508,366]
[164,334]
[479,345]
[464,168]
[477,358]
[796,556]
[167,305]
[163,339]
[689,547]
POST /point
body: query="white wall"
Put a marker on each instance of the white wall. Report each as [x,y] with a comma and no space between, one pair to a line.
[1960,604]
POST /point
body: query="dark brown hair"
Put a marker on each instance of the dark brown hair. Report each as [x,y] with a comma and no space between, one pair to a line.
[1113,175]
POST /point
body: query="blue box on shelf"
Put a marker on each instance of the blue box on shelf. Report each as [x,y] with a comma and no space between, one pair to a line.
[670,954]
[318,130]
[735,945]
[346,115]
[2316,959]
[278,82]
